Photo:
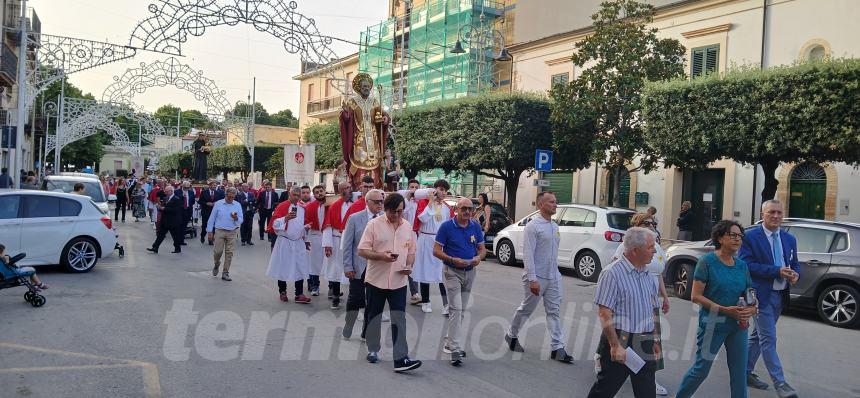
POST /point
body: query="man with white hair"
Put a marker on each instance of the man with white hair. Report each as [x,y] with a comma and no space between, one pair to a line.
[541,278]
[626,297]
[224,222]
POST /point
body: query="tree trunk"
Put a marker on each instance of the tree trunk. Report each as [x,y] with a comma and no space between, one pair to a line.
[770,181]
[512,182]
[615,200]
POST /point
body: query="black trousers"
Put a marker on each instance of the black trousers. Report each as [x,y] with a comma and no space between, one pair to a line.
[396,299]
[313,282]
[425,293]
[300,287]
[263,222]
[613,374]
[188,212]
[120,206]
[177,234]
[355,300]
[247,227]
[204,219]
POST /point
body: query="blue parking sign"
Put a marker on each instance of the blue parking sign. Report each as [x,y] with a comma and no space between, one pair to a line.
[543,160]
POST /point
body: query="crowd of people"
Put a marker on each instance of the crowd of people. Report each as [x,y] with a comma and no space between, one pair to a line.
[389,248]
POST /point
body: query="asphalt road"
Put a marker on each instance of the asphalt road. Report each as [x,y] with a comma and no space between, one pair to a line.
[160,325]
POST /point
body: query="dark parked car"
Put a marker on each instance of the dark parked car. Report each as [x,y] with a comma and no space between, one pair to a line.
[498,220]
[829,254]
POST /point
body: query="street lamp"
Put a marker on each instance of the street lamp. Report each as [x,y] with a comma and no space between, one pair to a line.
[478,38]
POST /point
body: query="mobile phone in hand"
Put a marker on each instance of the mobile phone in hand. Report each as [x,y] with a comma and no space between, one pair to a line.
[395,255]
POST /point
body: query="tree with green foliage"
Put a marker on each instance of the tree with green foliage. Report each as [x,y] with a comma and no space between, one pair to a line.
[326,136]
[806,112]
[168,115]
[261,116]
[494,135]
[616,61]
[285,118]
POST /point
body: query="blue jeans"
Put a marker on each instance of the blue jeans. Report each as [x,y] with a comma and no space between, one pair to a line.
[763,339]
[709,340]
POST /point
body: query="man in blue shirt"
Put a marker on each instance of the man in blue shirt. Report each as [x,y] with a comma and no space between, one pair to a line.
[226,218]
[460,246]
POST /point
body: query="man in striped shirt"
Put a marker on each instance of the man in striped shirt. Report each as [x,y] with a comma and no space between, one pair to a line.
[626,297]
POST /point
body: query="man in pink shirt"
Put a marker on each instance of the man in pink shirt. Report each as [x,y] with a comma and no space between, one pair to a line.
[388,244]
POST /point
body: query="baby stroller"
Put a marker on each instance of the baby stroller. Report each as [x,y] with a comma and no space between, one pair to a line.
[13,276]
[191,226]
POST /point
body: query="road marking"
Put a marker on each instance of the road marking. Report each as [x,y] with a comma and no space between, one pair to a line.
[151,382]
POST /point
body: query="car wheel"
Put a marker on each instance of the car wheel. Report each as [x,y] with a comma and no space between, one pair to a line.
[505,253]
[80,255]
[588,266]
[683,280]
[837,305]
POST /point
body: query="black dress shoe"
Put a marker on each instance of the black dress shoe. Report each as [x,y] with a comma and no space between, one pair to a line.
[250,243]
[211,243]
[562,356]
[177,251]
[183,244]
[151,250]
[514,344]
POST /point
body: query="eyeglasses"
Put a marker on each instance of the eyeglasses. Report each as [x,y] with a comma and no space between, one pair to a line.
[467,208]
[376,202]
[650,223]
[395,211]
[735,235]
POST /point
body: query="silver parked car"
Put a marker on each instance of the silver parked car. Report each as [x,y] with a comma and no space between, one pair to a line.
[65,182]
[829,254]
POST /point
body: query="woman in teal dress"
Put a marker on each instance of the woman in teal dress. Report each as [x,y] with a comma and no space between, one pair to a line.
[719,281]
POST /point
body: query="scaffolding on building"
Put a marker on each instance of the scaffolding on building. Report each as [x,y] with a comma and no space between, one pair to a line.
[431,71]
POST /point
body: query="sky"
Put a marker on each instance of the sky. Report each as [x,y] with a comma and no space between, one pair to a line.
[230,55]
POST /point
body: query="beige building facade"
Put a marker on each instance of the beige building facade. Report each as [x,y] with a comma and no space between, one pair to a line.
[322,89]
[717,35]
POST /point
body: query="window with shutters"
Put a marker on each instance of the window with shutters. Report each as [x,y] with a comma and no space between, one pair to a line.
[704,60]
[561,78]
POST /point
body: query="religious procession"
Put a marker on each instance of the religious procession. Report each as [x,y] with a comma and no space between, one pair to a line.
[478,198]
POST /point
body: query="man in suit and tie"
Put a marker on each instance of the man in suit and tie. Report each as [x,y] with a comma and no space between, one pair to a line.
[248,201]
[771,255]
[266,204]
[355,265]
[171,215]
[208,197]
[188,200]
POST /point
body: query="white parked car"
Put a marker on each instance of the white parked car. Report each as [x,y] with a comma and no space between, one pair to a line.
[65,182]
[55,228]
[589,236]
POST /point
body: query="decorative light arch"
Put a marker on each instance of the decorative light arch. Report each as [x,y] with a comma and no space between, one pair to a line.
[169,72]
[173,21]
[83,118]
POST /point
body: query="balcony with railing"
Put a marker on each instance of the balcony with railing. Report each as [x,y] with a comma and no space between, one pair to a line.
[8,66]
[12,21]
[325,107]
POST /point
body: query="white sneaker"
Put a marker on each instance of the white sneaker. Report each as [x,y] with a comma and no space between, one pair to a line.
[661,390]
[425,307]
[597,364]
[385,317]
[445,310]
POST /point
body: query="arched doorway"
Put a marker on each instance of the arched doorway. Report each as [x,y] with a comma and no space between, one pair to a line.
[624,191]
[808,190]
